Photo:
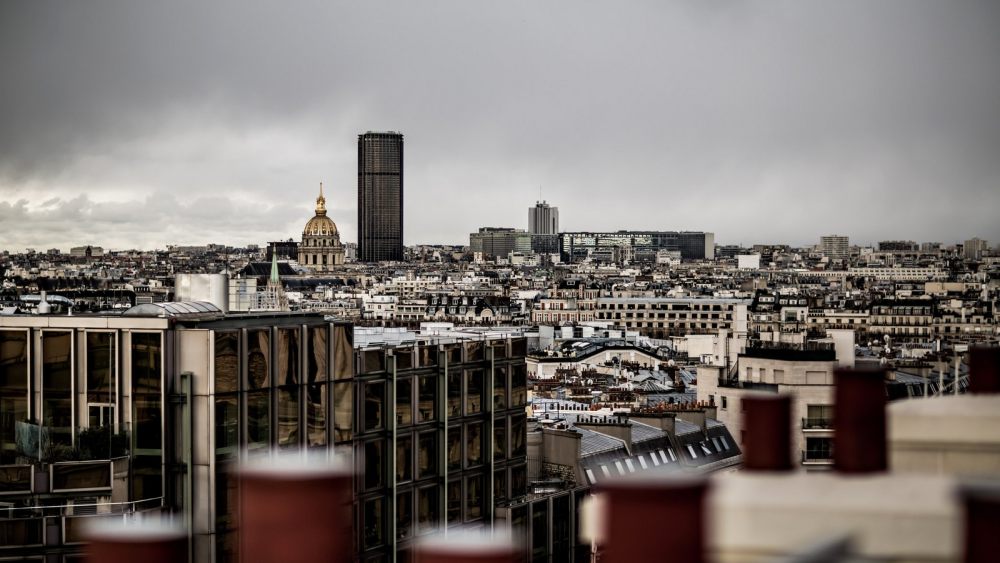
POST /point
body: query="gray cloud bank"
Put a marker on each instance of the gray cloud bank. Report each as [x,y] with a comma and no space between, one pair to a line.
[142,124]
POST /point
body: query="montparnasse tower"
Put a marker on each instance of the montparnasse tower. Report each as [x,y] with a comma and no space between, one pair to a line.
[321,249]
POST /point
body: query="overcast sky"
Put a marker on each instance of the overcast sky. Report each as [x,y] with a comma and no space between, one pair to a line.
[134,124]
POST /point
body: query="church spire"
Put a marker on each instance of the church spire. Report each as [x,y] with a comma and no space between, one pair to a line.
[321,202]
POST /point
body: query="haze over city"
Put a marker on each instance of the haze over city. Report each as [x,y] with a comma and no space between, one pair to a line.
[140,125]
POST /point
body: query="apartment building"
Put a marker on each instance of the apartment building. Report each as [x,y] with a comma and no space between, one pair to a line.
[662,317]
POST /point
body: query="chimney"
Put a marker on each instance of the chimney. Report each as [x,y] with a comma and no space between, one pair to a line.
[859,440]
[768,424]
[275,497]
[984,370]
[465,546]
[149,542]
[981,502]
[654,497]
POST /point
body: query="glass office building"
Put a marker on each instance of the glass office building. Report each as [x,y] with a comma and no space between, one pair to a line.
[154,409]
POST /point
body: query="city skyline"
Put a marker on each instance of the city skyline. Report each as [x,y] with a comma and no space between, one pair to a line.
[819,119]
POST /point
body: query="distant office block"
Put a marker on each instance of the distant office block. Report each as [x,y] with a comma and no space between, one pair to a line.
[380,196]
[499,241]
[974,248]
[635,245]
[835,246]
[543,219]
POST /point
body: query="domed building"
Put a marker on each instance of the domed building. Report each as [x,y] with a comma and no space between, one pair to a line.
[321,250]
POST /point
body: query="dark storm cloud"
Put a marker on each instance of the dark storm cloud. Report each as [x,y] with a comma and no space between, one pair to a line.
[770,121]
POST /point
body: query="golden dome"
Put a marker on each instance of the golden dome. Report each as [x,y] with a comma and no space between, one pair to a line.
[320,224]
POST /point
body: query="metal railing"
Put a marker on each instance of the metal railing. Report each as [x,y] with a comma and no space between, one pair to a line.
[82,509]
[817,456]
[817,423]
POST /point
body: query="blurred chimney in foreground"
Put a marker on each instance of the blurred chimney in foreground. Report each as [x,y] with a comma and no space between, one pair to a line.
[295,512]
[984,370]
[859,440]
[981,502]
[673,505]
[145,542]
[465,546]
[768,424]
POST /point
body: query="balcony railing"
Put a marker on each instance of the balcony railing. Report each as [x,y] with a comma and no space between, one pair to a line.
[817,424]
[817,457]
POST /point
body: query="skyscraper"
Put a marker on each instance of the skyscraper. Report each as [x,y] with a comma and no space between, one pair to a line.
[380,196]
[543,219]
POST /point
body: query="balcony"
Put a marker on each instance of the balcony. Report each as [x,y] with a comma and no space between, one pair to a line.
[817,424]
[817,457]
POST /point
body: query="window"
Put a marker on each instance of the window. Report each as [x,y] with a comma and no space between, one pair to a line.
[404,401]
[473,497]
[427,509]
[455,394]
[518,386]
[57,391]
[630,466]
[590,476]
[343,411]
[404,458]
[373,516]
[500,388]
[426,400]
[474,391]
[288,416]
[287,361]
[258,359]
[427,455]
[642,462]
[13,389]
[454,448]
[473,444]
[316,352]
[500,439]
[227,361]
[374,463]
[518,435]
[819,449]
[725,403]
[374,405]
[454,501]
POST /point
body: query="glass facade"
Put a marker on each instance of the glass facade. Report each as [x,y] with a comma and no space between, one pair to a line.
[57,389]
[147,414]
[13,390]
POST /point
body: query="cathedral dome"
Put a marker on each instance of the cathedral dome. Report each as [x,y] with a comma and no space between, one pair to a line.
[320,225]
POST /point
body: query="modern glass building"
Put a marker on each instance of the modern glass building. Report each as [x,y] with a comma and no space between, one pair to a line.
[380,196]
[152,410]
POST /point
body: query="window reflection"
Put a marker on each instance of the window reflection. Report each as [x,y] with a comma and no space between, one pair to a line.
[455,393]
[404,458]
[343,365]
[374,462]
[374,405]
[518,386]
[499,439]
[500,485]
[316,414]
[343,411]
[146,390]
[518,435]
[427,399]
[454,501]
[500,388]
[427,508]
[57,396]
[404,514]
[258,359]
[474,444]
[427,455]
[373,518]
[227,424]
[258,419]
[288,416]
[454,448]
[227,361]
[473,497]
[317,353]
[287,360]
[404,401]
[13,389]
[474,391]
